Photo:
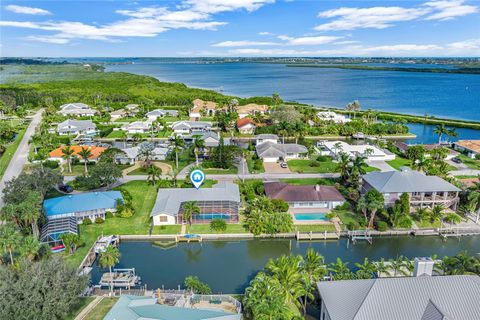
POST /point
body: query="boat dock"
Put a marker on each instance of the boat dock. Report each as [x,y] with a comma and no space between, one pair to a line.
[457,232]
[188,238]
[120,278]
[317,236]
[356,235]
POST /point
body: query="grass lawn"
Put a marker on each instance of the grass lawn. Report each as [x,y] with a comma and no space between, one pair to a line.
[77,169]
[233,170]
[143,196]
[371,169]
[348,216]
[315,228]
[310,181]
[312,166]
[469,162]
[205,228]
[399,162]
[82,303]
[10,151]
[101,310]
[428,224]
[172,229]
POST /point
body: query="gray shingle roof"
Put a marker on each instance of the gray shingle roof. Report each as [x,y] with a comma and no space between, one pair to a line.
[409,298]
[192,125]
[291,193]
[274,150]
[161,113]
[75,125]
[407,181]
[266,136]
[170,200]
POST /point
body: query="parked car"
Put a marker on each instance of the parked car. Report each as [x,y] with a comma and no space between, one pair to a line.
[456,160]
[66,188]
[283,165]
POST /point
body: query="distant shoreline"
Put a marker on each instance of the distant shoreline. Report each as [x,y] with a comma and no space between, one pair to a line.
[400,69]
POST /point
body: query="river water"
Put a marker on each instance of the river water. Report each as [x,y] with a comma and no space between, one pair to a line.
[228,266]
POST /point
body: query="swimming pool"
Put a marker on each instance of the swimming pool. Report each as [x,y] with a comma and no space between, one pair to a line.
[211,216]
[310,216]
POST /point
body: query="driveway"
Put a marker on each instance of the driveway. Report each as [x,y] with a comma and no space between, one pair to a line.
[273,167]
[20,157]
[382,165]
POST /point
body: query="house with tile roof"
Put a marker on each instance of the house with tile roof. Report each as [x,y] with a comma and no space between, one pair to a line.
[96,152]
[203,108]
[246,126]
[405,298]
[250,109]
[470,147]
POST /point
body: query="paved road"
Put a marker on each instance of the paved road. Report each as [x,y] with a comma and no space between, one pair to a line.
[20,157]
[465,172]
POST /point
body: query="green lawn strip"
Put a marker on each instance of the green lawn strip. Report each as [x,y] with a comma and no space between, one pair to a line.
[77,169]
[466,177]
[310,181]
[315,228]
[312,166]
[233,170]
[371,169]
[399,162]
[348,216]
[10,151]
[101,309]
[170,229]
[428,224]
[205,228]
[82,303]
[469,162]
[143,199]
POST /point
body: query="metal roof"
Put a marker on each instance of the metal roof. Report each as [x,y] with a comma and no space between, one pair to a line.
[170,200]
[407,181]
[161,113]
[76,124]
[266,136]
[81,202]
[408,298]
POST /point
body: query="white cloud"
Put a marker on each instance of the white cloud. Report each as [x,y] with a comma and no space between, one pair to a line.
[345,18]
[265,33]
[466,44]
[27,10]
[244,43]
[308,41]
[142,22]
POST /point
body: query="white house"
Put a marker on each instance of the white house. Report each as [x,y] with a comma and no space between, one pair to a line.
[137,127]
[130,155]
[262,138]
[77,109]
[160,113]
[372,153]
[250,109]
[70,126]
[332,116]
[183,128]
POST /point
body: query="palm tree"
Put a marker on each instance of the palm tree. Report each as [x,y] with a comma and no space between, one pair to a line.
[359,165]
[299,130]
[123,135]
[366,270]
[440,130]
[189,209]
[137,137]
[340,270]
[362,205]
[338,147]
[474,203]
[283,129]
[381,267]
[398,266]
[108,258]
[85,154]
[178,144]
[343,165]
[30,247]
[198,145]
[67,152]
[154,174]
[32,211]
[421,164]
[437,213]
[353,106]
[9,239]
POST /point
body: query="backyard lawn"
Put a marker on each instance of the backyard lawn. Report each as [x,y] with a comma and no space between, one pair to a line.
[428,224]
[313,166]
[82,303]
[170,229]
[101,309]
[205,228]
[399,162]
[348,217]
[315,228]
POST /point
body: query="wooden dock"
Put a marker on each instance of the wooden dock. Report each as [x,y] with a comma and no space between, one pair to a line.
[317,236]
[357,235]
[188,238]
[120,278]
[458,232]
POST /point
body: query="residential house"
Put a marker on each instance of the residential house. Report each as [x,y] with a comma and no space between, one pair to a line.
[262,138]
[246,126]
[470,147]
[222,201]
[406,298]
[186,306]
[402,148]
[190,128]
[305,197]
[332,116]
[96,152]
[130,155]
[138,127]
[160,113]
[371,152]
[76,127]
[273,152]
[423,190]
[202,108]
[77,109]
[118,114]
[90,205]
[250,109]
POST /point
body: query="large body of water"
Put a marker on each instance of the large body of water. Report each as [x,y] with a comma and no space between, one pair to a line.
[455,96]
[228,267]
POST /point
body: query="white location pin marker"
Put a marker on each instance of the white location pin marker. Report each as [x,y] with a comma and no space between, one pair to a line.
[197,177]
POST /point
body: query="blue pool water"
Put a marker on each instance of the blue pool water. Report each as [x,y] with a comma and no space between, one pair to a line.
[310,216]
[211,216]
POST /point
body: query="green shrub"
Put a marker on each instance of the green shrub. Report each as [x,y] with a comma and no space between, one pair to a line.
[344,206]
[51,164]
[108,214]
[314,164]
[87,221]
[280,205]
[99,220]
[477,156]
[218,225]
[405,222]
[382,226]
[352,225]
[323,158]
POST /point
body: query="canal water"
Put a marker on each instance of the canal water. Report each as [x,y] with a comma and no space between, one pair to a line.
[228,266]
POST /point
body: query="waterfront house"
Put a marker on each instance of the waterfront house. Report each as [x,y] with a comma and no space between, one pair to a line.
[470,147]
[250,109]
[406,298]
[423,190]
[138,127]
[332,116]
[76,127]
[262,138]
[96,152]
[221,201]
[273,152]
[160,113]
[190,128]
[131,155]
[90,205]
[246,126]
[305,197]
[370,152]
[202,108]
[402,147]
[174,307]
[77,109]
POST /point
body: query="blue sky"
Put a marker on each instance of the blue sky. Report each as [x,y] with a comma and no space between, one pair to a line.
[59,28]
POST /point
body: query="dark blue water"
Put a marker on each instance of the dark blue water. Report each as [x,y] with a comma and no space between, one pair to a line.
[443,95]
[228,267]
[425,134]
